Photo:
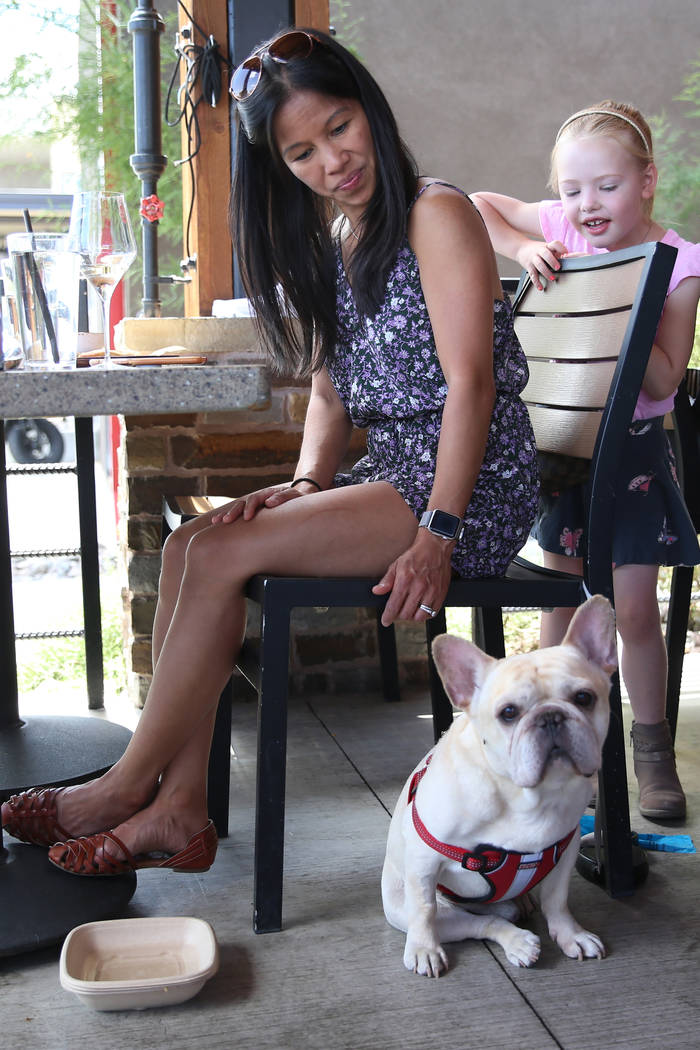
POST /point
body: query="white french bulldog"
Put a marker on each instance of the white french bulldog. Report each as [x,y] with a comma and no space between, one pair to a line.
[495,807]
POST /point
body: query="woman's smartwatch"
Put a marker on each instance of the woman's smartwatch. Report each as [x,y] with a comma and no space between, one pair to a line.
[440,523]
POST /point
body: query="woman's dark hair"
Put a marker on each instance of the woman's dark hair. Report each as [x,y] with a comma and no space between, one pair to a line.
[281,230]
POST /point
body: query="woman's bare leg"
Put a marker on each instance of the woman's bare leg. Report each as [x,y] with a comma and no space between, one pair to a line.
[172,570]
[341,532]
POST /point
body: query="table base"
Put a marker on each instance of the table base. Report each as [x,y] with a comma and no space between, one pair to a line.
[41,904]
[57,749]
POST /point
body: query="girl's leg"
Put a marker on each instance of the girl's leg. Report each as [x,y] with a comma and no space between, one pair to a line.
[554,624]
[643,667]
[643,663]
[341,532]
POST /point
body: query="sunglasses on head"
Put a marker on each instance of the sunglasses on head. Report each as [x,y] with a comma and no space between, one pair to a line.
[295,44]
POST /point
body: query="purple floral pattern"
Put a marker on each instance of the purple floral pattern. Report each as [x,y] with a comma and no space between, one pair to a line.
[388,376]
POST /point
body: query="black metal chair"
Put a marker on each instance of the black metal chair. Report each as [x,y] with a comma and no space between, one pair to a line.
[588,339]
[686,430]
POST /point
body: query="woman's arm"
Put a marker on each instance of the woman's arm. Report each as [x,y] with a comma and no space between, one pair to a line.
[327,430]
[674,341]
[514,229]
[460,282]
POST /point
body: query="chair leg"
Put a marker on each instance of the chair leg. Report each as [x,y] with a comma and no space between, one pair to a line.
[219,773]
[676,631]
[612,810]
[487,630]
[271,768]
[388,658]
[439,700]
[89,561]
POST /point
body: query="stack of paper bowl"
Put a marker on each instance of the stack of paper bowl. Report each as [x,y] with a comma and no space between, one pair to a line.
[132,964]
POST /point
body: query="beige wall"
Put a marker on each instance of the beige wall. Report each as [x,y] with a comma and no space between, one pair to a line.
[480,89]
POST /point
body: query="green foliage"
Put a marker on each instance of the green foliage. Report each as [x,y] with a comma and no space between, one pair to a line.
[521,629]
[98,115]
[677,151]
[26,74]
[346,24]
[63,659]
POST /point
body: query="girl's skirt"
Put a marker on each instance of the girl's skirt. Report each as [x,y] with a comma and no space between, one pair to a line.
[651,524]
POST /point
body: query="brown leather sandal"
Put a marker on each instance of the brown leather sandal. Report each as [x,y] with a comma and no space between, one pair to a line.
[80,856]
[31,817]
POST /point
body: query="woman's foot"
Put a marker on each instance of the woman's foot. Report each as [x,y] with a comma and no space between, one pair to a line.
[154,830]
[32,817]
[150,838]
[97,855]
[47,815]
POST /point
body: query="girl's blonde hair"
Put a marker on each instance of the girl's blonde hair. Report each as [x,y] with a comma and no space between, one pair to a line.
[617,120]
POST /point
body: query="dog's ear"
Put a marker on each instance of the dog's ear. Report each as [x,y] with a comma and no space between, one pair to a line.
[592,630]
[462,667]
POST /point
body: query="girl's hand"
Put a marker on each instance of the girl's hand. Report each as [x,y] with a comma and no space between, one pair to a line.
[419,576]
[541,260]
[247,507]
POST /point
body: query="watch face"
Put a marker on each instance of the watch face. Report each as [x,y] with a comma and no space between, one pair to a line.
[445,524]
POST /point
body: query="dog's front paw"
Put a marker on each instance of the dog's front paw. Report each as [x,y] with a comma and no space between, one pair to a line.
[429,962]
[580,944]
[522,947]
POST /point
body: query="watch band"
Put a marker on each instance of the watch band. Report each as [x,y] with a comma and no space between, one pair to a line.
[440,523]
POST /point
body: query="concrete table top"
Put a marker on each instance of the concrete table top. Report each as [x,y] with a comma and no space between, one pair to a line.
[133,390]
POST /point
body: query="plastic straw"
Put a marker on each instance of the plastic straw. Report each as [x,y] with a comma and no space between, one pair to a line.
[40,293]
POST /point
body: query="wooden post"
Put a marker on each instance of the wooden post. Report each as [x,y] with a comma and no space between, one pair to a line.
[208,227]
[311,13]
[208,241]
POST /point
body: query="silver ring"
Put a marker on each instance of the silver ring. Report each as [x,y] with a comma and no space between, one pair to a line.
[426,608]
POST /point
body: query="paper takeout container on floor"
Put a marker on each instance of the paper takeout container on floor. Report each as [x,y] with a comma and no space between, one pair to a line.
[135,964]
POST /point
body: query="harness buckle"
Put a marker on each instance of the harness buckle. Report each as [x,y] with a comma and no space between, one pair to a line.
[473,862]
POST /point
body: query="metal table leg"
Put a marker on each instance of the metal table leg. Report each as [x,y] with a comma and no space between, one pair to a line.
[42,904]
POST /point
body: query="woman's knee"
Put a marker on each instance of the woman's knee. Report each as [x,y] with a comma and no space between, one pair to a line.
[175,550]
[214,552]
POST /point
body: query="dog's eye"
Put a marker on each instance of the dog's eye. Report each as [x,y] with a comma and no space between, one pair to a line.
[509,713]
[584,698]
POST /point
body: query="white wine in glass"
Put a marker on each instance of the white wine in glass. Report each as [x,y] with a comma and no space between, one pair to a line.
[101,232]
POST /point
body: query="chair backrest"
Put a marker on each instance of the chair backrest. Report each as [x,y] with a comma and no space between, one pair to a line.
[578,331]
[587,339]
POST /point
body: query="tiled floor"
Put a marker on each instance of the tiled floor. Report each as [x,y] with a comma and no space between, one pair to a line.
[334,977]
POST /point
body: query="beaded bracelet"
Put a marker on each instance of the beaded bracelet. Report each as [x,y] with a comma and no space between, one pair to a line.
[310,480]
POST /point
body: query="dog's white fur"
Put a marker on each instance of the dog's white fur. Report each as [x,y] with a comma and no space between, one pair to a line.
[516,771]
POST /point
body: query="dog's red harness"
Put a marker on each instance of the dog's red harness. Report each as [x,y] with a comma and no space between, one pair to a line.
[509,874]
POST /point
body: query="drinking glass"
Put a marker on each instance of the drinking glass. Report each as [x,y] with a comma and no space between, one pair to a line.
[101,232]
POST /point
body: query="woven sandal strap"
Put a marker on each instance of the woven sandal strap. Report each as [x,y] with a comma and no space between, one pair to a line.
[82,855]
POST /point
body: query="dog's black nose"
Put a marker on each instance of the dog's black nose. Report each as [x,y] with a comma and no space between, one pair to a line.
[550,720]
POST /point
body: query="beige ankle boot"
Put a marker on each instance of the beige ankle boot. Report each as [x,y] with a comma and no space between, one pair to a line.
[660,793]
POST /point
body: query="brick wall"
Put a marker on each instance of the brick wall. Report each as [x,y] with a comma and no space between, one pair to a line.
[228,454]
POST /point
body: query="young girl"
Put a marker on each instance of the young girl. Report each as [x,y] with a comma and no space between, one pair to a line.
[603,170]
[385,288]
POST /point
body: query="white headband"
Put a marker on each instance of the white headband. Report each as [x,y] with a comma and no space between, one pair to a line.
[605,113]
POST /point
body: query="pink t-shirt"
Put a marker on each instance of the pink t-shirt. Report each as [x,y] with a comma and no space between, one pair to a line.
[556,227]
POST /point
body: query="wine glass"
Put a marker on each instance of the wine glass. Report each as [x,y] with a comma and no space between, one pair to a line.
[101,232]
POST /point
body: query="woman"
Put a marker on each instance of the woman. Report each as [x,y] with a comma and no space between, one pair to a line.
[384,288]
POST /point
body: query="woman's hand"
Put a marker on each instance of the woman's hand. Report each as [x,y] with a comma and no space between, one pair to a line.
[419,576]
[541,260]
[247,507]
